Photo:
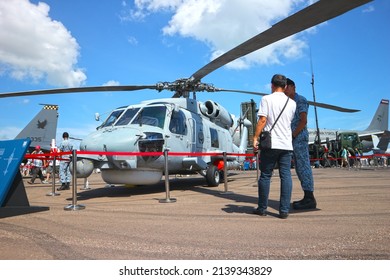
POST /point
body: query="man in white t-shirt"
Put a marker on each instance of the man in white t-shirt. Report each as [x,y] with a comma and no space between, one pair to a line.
[277,111]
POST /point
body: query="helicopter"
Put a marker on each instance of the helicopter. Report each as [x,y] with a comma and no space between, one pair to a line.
[202,130]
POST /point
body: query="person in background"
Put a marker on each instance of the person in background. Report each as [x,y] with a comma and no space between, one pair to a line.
[345,158]
[36,166]
[271,106]
[300,142]
[51,171]
[358,156]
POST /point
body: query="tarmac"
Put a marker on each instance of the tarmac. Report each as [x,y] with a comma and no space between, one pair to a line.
[197,222]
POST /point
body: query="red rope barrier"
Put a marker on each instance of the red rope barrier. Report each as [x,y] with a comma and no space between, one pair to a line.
[58,155]
[48,156]
[52,155]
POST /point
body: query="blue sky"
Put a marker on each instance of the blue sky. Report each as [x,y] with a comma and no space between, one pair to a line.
[50,43]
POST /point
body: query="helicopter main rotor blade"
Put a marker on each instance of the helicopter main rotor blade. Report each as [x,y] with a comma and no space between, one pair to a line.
[310,16]
[75,90]
[318,104]
[242,91]
[332,107]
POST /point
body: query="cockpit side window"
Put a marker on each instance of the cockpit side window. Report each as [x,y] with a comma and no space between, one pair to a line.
[127,116]
[151,115]
[112,118]
[177,124]
[214,138]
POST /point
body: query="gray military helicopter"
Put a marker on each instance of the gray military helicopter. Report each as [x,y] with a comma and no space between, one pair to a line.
[183,124]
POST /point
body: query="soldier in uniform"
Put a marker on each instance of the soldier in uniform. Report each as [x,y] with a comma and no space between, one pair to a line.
[300,136]
[65,176]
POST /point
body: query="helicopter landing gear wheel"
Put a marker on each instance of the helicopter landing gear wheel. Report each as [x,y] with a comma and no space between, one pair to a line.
[212,176]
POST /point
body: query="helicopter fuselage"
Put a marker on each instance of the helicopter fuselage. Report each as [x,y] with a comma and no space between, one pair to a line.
[177,125]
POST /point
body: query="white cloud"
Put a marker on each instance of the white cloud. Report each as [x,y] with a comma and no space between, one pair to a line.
[369,9]
[223,24]
[111,83]
[132,40]
[35,47]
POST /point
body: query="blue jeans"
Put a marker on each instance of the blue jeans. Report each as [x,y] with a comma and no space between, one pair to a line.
[268,159]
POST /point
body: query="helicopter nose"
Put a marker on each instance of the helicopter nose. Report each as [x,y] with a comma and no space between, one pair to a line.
[119,140]
[123,140]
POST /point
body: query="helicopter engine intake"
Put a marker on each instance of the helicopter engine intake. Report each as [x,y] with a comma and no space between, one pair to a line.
[217,114]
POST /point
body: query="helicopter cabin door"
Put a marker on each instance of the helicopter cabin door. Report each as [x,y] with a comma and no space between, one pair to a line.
[197,135]
[180,136]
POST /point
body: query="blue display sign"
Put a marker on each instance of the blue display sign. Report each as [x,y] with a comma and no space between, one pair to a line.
[11,156]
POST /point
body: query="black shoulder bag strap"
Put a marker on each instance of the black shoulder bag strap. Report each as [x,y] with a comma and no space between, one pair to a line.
[279,114]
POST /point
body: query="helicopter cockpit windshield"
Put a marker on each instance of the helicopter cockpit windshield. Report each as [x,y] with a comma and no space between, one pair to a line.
[127,116]
[112,118]
[151,115]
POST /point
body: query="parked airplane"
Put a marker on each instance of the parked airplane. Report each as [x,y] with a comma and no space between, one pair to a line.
[382,145]
[42,128]
[378,127]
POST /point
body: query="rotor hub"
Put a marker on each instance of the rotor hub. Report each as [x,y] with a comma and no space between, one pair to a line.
[182,87]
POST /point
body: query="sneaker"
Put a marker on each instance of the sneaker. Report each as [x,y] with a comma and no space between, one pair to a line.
[259,212]
[30,182]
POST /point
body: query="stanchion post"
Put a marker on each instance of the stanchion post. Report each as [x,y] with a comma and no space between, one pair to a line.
[74,205]
[167,199]
[225,172]
[257,155]
[225,181]
[257,166]
[53,180]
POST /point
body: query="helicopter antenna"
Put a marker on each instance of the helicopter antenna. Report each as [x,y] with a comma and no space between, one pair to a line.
[318,142]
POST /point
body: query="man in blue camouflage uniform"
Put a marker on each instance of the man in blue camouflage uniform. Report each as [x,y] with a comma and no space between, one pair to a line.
[65,176]
[300,136]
